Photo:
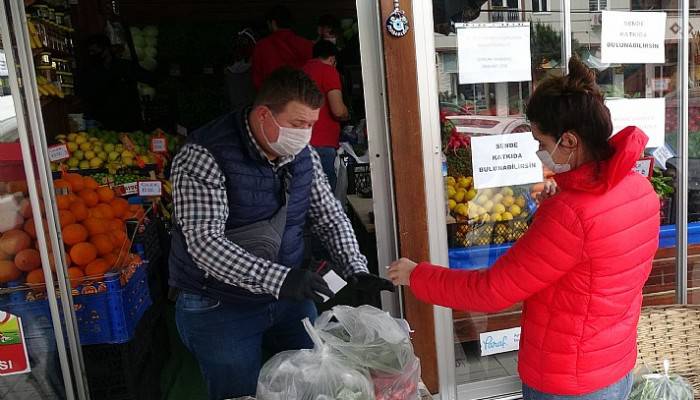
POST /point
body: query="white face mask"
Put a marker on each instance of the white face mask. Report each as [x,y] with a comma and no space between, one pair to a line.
[548,161]
[290,141]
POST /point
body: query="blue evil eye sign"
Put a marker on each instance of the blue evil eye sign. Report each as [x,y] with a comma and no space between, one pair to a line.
[397,23]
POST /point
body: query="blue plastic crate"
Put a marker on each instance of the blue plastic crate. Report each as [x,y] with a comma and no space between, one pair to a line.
[105,317]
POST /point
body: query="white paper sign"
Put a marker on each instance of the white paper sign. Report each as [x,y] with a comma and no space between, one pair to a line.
[494,52]
[644,167]
[504,160]
[159,145]
[58,152]
[633,37]
[130,188]
[649,115]
[150,188]
[335,283]
[500,341]
[661,155]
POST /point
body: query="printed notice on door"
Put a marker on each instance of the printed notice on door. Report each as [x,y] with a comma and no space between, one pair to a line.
[633,37]
[494,52]
[505,160]
[649,115]
[502,341]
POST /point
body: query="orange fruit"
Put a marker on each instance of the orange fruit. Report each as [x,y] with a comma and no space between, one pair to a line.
[95,226]
[27,260]
[118,238]
[76,182]
[14,241]
[35,277]
[25,208]
[30,228]
[111,259]
[115,224]
[74,234]
[119,206]
[103,243]
[97,267]
[76,276]
[18,186]
[8,271]
[90,183]
[105,194]
[94,212]
[61,184]
[89,196]
[83,253]
[4,256]
[62,202]
[79,211]
[105,210]
[65,217]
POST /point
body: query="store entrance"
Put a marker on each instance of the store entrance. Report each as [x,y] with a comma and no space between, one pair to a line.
[120,85]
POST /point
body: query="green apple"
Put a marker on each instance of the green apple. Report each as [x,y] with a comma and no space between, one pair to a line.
[73,162]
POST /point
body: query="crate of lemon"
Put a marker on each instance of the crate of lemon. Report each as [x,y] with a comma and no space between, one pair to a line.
[486,216]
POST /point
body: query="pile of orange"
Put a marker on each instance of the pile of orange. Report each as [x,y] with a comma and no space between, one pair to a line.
[92,228]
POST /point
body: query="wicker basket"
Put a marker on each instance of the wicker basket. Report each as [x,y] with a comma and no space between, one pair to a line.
[673,333]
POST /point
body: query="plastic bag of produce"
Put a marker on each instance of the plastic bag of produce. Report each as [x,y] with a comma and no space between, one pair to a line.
[371,339]
[317,374]
[661,387]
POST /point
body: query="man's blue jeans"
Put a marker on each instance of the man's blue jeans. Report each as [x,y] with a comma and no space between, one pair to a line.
[230,340]
[327,155]
[619,390]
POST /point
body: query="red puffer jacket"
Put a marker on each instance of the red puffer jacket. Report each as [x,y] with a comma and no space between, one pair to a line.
[580,269]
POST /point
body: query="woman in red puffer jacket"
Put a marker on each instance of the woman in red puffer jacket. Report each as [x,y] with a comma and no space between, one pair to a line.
[581,266]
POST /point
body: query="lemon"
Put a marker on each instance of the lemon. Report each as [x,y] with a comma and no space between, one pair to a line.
[128,161]
[80,139]
[488,205]
[462,209]
[496,217]
[459,197]
[507,216]
[102,156]
[89,155]
[451,192]
[113,155]
[515,210]
[485,218]
[451,204]
[499,208]
[127,154]
[85,164]
[72,136]
[72,146]
[85,146]
[520,201]
[469,180]
[119,148]
[497,198]
[463,182]
[508,201]
[507,191]
[73,162]
[93,139]
[95,162]
[79,154]
[97,149]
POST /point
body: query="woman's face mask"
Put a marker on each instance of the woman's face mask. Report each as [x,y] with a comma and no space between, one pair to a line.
[548,160]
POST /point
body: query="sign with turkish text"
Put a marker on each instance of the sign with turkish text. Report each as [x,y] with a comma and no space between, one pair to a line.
[14,358]
[150,188]
[649,115]
[502,341]
[159,145]
[494,52]
[58,152]
[505,160]
[633,37]
[645,167]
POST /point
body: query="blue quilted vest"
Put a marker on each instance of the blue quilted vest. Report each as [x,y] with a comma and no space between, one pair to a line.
[254,192]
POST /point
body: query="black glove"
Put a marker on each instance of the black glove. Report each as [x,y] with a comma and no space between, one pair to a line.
[367,282]
[302,284]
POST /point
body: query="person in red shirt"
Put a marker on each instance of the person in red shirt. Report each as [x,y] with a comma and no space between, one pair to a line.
[326,132]
[282,48]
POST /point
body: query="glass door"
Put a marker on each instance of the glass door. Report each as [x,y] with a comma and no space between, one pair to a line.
[39,352]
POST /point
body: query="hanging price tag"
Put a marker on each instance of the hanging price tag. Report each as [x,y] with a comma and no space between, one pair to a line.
[129,188]
[150,188]
[159,145]
[644,166]
[58,152]
[13,348]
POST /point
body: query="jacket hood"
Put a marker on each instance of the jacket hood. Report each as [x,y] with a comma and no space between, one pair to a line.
[599,177]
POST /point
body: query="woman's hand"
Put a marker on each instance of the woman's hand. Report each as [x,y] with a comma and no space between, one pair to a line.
[400,271]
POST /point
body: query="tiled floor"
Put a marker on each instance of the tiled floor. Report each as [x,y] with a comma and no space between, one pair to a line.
[471,367]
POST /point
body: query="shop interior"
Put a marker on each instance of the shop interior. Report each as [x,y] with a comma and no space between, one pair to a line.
[182,59]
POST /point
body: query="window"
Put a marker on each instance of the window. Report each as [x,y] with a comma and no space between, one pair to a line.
[539,6]
[597,5]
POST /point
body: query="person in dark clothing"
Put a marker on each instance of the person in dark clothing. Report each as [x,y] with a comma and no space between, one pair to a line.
[107,86]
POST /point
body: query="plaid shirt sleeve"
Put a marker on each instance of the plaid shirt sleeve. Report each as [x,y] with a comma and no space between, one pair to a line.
[330,223]
[201,210]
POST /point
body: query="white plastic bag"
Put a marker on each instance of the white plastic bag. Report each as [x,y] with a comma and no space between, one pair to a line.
[661,387]
[317,374]
[369,338]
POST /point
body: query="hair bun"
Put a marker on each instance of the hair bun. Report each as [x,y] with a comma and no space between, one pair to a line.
[580,80]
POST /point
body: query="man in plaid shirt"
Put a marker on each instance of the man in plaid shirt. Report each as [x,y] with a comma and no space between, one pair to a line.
[245,186]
